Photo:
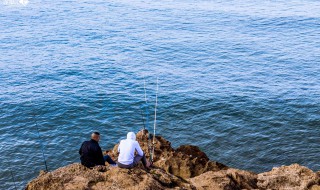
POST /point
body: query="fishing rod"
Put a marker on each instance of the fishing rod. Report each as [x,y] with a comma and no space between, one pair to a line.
[145,119]
[145,91]
[14,181]
[42,147]
[144,125]
[155,121]
[146,106]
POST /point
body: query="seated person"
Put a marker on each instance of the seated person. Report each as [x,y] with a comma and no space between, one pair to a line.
[127,148]
[91,154]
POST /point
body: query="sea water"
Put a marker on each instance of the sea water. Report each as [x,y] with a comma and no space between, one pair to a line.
[239,79]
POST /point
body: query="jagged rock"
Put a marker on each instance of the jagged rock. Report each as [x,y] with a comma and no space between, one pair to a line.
[293,177]
[162,147]
[74,176]
[118,178]
[188,161]
[185,162]
[230,179]
[187,167]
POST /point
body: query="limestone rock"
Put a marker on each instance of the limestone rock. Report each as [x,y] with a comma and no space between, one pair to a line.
[293,177]
[315,187]
[161,146]
[74,176]
[187,167]
[230,179]
[185,162]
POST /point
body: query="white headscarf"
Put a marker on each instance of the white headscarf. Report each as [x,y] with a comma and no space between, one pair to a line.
[131,136]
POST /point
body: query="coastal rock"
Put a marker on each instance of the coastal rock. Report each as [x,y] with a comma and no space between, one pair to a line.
[185,162]
[188,161]
[315,187]
[293,177]
[118,178]
[186,167]
[162,147]
[230,179]
[76,176]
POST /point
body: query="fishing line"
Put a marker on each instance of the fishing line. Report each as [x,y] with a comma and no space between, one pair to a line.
[146,107]
[144,125]
[155,120]
[42,147]
[12,176]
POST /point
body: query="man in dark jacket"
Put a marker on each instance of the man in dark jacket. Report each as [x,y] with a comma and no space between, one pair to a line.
[91,153]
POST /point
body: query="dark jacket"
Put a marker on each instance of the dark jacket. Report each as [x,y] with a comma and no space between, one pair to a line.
[91,154]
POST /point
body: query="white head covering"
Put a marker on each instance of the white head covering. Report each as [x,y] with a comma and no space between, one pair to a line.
[131,136]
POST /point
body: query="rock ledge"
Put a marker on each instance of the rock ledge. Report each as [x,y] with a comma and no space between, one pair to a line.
[187,167]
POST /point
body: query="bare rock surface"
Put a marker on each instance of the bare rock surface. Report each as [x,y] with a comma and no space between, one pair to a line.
[232,179]
[186,167]
[185,162]
[293,177]
[74,176]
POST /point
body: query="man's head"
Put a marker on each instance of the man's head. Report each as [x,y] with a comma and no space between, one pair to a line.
[95,136]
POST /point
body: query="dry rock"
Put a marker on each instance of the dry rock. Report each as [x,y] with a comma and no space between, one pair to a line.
[293,177]
[187,167]
[230,179]
[74,176]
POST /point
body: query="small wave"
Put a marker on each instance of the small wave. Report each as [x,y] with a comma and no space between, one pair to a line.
[16,2]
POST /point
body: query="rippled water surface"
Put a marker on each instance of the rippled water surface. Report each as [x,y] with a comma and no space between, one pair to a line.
[239,79]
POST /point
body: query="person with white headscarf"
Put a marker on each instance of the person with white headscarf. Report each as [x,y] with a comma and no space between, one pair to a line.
[127,148]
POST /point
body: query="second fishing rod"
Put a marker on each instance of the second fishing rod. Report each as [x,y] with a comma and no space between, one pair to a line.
[151,138]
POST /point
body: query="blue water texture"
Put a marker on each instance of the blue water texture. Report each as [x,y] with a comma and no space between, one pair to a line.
[239,79]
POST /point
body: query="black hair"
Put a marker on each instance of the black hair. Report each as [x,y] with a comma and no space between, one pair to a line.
[96,133]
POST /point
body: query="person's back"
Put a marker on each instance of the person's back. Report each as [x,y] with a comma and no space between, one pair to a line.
[127,148]
[91,153]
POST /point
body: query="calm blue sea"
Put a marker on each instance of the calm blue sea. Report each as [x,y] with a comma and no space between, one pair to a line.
[240,79]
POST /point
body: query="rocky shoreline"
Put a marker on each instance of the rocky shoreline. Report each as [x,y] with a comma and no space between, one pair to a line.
[186,167]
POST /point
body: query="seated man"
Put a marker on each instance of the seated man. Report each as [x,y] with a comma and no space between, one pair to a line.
[91,154]
[127,148]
